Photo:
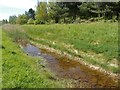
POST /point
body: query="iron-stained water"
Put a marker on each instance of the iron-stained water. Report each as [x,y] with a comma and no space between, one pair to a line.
[70,69]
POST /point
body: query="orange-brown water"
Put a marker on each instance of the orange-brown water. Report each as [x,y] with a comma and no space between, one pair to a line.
[71,69]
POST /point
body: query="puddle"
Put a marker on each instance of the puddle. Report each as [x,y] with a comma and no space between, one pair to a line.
[32,50]
[69,69]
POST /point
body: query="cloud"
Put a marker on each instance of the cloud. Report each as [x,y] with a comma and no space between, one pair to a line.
[21,4]
[5,12]
[15,7]
[3,16]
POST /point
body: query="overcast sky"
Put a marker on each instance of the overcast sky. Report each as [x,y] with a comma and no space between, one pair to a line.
[15,7]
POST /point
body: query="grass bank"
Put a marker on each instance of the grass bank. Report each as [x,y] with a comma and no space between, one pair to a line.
[22,71]
[0,57]
[95,43]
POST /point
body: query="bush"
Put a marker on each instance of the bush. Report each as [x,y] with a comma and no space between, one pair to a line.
[61,21]
[114,18]
[92,19]
[30,21]
[68,20]
[82,20]
[52,21]
[36,22]
[22,19]
[39,22]
[77,20]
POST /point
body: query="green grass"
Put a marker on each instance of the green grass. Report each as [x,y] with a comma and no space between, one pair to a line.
[96,43]
[22,71]
[0,57]
[97,40]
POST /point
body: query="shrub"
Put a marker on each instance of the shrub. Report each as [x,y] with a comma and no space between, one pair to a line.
[30,21]
[77,20]
[114,18]
[36,22]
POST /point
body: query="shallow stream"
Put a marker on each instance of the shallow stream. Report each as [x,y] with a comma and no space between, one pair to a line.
[71,69]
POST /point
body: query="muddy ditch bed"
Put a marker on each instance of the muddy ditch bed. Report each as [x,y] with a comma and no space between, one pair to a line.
[70,69]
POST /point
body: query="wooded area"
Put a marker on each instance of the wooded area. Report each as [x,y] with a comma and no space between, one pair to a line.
[68,12]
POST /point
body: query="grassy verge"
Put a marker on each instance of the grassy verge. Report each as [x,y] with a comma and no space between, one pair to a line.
[0,57]
[96,43]
[22,71]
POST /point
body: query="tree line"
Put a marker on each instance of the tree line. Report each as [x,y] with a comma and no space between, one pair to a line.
[68,12]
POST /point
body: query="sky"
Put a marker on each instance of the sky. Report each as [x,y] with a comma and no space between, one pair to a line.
[15,7]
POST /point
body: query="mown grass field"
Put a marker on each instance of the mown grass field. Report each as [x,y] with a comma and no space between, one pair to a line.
[96,42]
[22,71]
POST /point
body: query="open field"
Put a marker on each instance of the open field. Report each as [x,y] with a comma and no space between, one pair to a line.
[96,43]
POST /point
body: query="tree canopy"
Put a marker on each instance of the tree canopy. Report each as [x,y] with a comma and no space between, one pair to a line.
[68,12]
[12,19]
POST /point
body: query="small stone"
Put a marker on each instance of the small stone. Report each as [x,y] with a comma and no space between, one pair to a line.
[39,54]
